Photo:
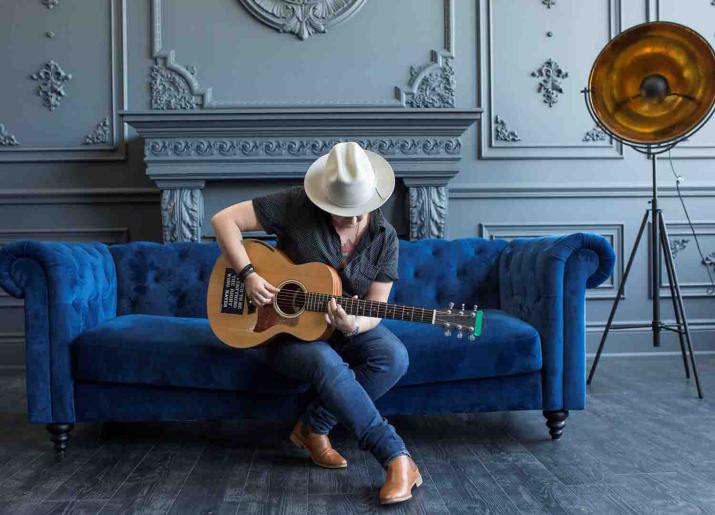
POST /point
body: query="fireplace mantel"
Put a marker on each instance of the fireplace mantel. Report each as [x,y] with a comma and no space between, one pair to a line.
[185,149]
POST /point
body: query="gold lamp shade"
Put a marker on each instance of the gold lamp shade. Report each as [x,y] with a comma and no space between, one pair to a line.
[653,83]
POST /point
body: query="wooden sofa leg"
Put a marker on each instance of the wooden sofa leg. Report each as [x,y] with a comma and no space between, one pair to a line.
[555,421]
[60,435]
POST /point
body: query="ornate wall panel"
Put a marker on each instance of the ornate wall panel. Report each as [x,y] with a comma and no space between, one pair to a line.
[55,92]
[698,15]
[612,232]
[176,85]
[532,77]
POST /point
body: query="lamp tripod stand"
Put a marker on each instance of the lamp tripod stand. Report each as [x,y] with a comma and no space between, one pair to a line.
[658,241]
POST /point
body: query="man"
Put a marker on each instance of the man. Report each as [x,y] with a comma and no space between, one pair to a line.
[335,218]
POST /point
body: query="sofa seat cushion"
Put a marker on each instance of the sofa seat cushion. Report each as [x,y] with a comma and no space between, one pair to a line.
[173,351]
[507,346]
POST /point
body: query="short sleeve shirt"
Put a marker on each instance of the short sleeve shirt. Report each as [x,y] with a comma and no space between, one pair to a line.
[306,234]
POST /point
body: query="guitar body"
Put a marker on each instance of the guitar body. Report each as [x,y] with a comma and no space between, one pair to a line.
[239,323]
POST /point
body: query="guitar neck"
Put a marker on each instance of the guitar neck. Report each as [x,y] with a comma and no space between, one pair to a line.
[370,308]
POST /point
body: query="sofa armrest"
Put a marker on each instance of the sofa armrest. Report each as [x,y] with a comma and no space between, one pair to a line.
[543,281]
[68,288]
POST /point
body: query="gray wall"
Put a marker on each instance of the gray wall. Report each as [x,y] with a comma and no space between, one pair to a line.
[71,171]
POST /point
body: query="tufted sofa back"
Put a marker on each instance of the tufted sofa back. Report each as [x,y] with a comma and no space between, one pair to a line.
[172,279]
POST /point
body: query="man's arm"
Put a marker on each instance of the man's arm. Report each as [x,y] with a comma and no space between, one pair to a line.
[228,224]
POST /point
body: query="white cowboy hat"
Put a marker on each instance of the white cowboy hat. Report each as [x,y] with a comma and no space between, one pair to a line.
[349,180]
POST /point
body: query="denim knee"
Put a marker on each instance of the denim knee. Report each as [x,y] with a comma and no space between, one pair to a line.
[327,366]
[391,357]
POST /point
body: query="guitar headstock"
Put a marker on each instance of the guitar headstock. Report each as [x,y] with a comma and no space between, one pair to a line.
[469,321]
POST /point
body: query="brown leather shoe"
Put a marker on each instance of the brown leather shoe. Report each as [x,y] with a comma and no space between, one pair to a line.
[402,475]
[321,452]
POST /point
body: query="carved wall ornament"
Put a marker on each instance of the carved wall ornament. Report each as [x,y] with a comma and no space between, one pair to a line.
[182,214]
[678,244]
[7,139]
[101,134]
[502,132]
[550,3]
[51,87]
[550,76]
[50,4]
[170,90]
[239,147]
[428,211]
[431,84]
[302,17]
[709,260]
[594,135]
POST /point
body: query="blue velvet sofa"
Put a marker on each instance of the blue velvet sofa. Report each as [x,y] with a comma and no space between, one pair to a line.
[119,332]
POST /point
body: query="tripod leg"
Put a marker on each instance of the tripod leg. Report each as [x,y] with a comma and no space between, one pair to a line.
[669,268]
[618,298]
[688,340]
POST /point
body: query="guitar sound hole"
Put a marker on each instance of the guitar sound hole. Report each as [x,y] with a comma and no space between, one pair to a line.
[291,299]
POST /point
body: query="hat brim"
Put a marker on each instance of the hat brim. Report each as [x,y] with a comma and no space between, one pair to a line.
[384,186]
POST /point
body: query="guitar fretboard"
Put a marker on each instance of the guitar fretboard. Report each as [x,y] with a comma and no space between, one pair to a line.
[370,308]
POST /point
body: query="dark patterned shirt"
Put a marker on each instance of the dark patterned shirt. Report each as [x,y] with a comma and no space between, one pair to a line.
[306,234]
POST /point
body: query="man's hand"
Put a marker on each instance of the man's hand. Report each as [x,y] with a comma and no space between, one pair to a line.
[259,290]
[338,318]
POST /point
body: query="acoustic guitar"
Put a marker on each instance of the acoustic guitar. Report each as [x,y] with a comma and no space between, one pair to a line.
[298,308]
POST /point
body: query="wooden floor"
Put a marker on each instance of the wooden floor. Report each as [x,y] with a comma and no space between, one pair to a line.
[645,444]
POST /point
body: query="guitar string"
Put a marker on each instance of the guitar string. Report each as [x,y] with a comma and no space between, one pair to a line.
[324,298]
[319,300]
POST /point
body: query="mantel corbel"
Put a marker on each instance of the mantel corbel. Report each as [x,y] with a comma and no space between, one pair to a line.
[182,209]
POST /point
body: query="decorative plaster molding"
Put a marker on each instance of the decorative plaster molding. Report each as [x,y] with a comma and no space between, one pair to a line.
[101,134]
[428,211]
[678,244]
[170,89]
[431,84]
[7,139]
[302,18]
[173,86]
[550,3]
[492,31]
[115,87]
[239,147]
[433,93]
[52,79]
[182,214]
[550,76]
[50,4]
[502,132]
[594,135]
[710,258]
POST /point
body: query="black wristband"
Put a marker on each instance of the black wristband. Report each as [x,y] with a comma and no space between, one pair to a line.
[245,271]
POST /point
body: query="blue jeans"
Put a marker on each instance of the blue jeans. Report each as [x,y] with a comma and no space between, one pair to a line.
[378,359]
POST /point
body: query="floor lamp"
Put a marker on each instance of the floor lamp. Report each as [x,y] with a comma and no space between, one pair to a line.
[650,88]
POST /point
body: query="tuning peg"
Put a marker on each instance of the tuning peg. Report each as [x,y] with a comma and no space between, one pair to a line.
[472,337]
[475,309]
[447,332]
[449,307]
[461,311]
[459,334]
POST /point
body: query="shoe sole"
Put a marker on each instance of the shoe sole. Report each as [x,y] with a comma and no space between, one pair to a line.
[300,445]
[417,484]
